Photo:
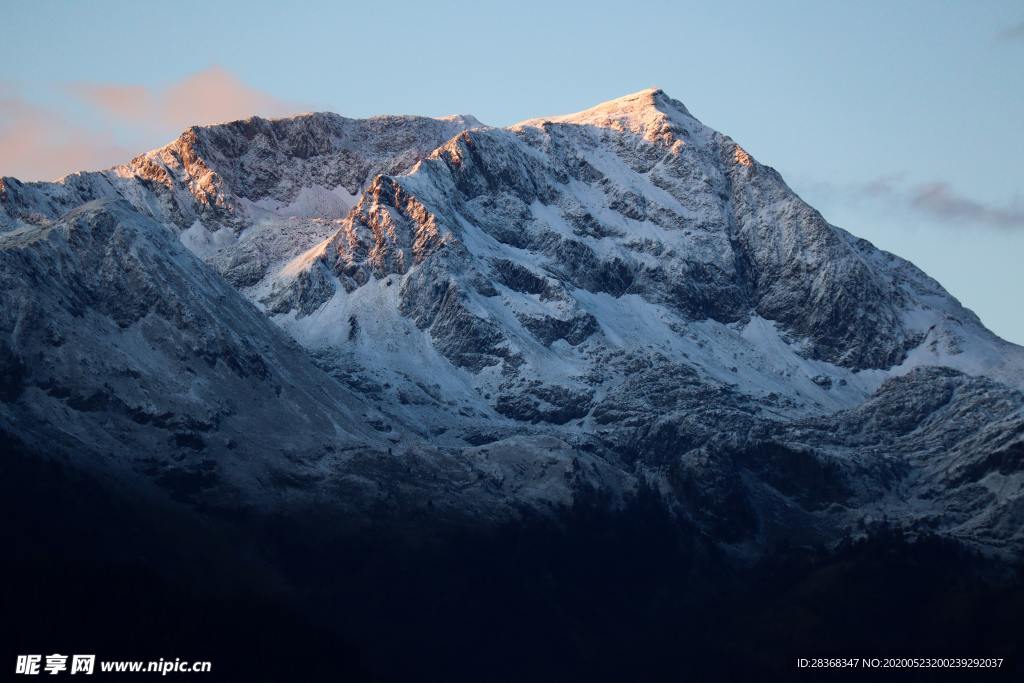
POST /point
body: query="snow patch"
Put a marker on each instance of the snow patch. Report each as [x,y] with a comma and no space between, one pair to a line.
[204,243]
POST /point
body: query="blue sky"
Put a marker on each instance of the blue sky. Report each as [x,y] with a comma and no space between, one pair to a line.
[901,121]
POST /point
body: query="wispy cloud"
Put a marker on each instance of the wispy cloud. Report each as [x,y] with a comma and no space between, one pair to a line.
[943,202]
[1011,33]
[881,187]
[938,201]
[209,96]
[38,143]
[45,141]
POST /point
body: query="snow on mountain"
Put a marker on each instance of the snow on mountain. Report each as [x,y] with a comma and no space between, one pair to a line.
[533,259]
[123,355]
[231,190]
[497,317]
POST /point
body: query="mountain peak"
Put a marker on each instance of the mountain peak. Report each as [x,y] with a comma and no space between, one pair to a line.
[646,112]
[465,120]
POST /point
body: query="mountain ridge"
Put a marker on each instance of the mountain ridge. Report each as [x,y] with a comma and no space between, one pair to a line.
[615,296]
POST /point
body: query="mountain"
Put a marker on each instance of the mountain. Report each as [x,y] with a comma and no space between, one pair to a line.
[411,316]
[591,397]
[121,348]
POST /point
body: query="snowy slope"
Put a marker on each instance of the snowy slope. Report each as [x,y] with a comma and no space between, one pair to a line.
[488,318]
[562,250]
[121,349]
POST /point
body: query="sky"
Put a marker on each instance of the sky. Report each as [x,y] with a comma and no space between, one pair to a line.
[901,121]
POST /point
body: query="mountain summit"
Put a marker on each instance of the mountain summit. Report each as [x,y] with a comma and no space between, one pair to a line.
[466,321]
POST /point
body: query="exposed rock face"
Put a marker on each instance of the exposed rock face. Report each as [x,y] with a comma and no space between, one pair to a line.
[247,195]
[301,166]
[494,318]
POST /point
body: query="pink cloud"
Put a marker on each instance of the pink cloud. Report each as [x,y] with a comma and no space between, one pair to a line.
[209,96]
[125,102]
[39,144]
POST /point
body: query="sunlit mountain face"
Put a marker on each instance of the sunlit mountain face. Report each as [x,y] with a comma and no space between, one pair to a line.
[591,397]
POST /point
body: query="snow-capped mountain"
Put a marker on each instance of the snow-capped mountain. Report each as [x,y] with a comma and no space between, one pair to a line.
[482,319]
